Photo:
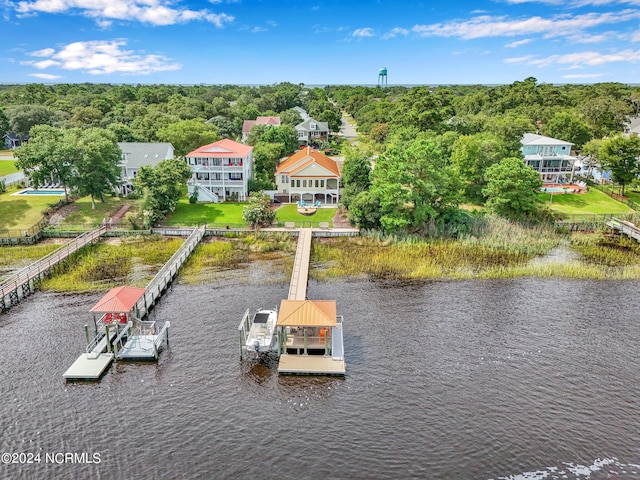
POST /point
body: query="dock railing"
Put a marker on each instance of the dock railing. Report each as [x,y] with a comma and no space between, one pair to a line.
[163,334]
[163,278]
[37,268]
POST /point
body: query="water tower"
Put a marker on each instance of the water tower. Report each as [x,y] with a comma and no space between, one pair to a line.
[382,77]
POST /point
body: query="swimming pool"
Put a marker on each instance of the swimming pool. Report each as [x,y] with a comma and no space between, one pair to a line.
[571,189]
[48,191]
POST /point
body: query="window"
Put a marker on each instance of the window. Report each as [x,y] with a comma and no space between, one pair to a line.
[304,184]
[321,183]
[298,183]
[284,179]
[235,176]
[317,183]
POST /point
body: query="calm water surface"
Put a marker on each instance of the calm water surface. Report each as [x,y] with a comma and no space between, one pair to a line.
[518,379]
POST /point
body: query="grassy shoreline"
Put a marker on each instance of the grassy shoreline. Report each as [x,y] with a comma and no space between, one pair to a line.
[502,250]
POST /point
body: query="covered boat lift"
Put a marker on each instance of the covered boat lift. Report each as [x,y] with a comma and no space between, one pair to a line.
[118,333]
[310,338]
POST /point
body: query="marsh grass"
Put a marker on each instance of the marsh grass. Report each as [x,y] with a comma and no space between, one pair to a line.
[16,257]
[235,252]
[494,249]
[132,261]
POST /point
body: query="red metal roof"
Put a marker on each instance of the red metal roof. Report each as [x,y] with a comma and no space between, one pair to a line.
[222,148]
[247,125]
[119,300]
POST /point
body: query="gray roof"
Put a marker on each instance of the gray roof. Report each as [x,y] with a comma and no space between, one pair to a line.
[535,139]
[321,126]
[139,154]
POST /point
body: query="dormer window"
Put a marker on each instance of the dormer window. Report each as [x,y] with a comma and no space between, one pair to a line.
[312,126]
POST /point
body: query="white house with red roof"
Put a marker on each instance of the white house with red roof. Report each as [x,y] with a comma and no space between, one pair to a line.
[308,175]
[247,125]
[221,171]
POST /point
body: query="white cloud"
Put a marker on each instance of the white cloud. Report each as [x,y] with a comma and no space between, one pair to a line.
[583,75]
[101,58]
[44,76]
[154,12]
[258,29]
[580,59]
[395,32]
[363,32]
[518,43]
[487,26]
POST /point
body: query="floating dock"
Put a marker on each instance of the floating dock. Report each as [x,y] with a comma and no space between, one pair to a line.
[92,364]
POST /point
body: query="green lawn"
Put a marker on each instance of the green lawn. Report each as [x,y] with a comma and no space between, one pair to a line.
[214,214]
[7,167]
[84,217]
[593,202]
[22,212]
[289,213]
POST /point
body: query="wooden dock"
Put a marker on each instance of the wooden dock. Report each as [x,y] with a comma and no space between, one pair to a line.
[626,228]
[303,363]
[300,274]
[22,283]
[164,277]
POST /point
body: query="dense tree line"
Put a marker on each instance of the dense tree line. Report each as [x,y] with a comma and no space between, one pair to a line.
[428,150]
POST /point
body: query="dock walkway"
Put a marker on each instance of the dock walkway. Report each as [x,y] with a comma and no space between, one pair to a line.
[626,228]
[300,274]
[22,283]
[165,275]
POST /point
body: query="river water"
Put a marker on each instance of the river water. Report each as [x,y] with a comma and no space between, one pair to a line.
[515,379]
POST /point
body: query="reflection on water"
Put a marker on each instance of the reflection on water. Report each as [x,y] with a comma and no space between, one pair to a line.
[518,379]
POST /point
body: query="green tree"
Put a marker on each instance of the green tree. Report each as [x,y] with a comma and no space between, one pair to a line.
[356,170]
[266,157]
[414,187]
[23,117]
[365,211]
[258,210]
[96,171]
[471,156]
[620,155]
[512,188]
[568,127]
[590,155]
[187,135]
[48,156]
[160,188]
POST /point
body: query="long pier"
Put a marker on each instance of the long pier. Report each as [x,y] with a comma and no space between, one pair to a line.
[22,283]
[164,277]
[300,274]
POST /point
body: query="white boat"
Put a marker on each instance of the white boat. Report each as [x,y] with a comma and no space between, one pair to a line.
[262,337]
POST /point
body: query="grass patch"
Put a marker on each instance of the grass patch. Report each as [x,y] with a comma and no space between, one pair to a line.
[130,261]
[21,256]
[594,202]
[20,212]
[7,167]
[84,217]
[289,213]
[214,214]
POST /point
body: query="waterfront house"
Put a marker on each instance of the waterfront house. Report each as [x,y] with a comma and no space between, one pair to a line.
[140,154]
[221,171]
[549,157]
[311,131]
[247,125]
[308,175]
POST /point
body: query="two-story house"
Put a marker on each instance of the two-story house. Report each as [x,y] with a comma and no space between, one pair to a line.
[549,156]
[247,125]
[140,154]
[311,131]
[221,171]
[308,175]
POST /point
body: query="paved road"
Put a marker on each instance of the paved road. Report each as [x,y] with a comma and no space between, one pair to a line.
[347,130]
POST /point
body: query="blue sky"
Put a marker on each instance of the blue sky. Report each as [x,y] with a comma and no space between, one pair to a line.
[319,41]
